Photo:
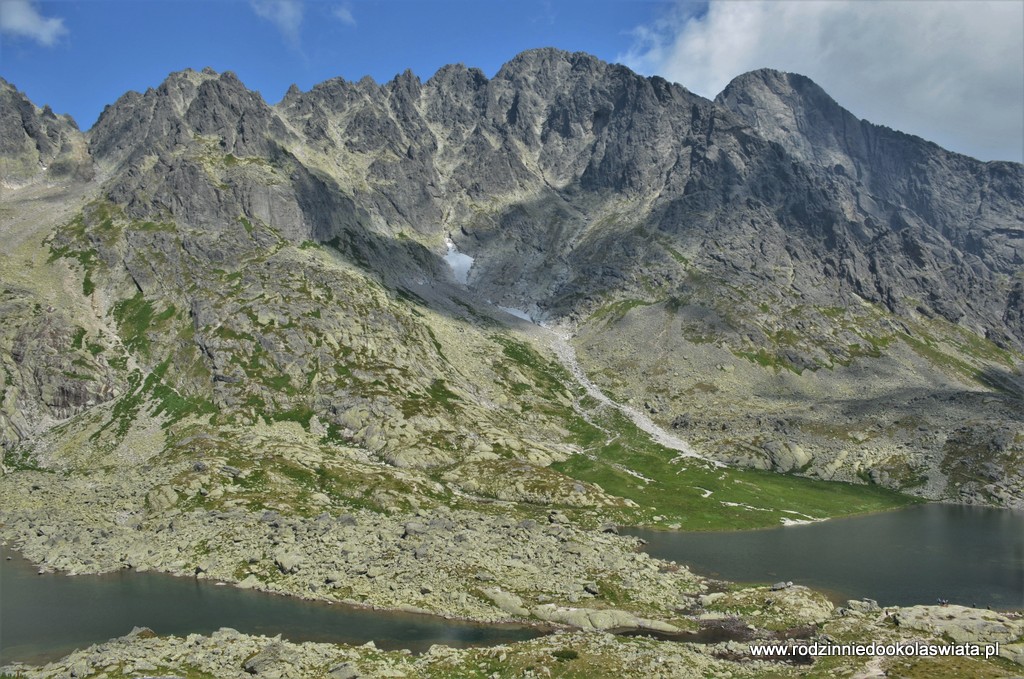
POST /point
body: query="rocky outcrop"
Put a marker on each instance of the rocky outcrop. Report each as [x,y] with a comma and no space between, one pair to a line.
[772,170]
[38,143]
[47,371]
[907,209]
[962,624]
[968,626]
[600,619]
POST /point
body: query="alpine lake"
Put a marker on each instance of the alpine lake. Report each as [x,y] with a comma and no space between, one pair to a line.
[967,555]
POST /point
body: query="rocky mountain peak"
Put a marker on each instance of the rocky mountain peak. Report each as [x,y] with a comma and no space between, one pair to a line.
[535,61]
[457,73]
[556,138]
[941,211]
[292,92]
[37,142]
[794,111]
[187,105]
[546,72]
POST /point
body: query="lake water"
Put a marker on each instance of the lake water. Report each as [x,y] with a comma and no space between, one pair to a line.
[968,555]
[44,617]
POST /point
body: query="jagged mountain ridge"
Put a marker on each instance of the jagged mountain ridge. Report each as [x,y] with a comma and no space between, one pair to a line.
[575,184]
[882,211]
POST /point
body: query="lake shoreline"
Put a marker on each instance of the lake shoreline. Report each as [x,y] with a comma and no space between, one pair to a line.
[436,626]
[8,550]
[911,556]
[228,652]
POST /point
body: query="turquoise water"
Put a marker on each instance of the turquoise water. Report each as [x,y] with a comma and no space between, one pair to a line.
[44,617]
[968,555]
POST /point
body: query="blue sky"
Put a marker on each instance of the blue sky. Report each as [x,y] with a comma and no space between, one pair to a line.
[949,71]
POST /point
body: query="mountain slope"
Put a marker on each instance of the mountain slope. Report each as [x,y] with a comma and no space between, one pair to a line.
[769,231]
[234,348]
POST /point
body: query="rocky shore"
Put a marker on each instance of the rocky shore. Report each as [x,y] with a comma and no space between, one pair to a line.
[588,584]
[450,562]
[230,654]
[227,654]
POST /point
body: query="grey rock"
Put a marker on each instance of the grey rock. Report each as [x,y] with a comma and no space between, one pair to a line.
[288,562]
[269,661]
[414,528]
[37,143]
[162,498]
[863,605]
[343,671]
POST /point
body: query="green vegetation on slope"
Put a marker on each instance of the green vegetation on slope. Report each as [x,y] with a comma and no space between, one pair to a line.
[694,495]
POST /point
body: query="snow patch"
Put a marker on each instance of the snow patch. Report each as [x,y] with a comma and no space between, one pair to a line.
[740,504]
[786,521]
[635,474]
[458,262]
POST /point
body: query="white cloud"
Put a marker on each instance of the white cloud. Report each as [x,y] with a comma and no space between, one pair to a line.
[344,14]
[21,18]
[950,71]
[285,14]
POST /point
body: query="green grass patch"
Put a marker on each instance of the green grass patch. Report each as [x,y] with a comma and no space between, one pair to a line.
[70,242]
[548,376]
[170,402]
[980,348]
[676,490]
[767,359]
[134,317]
[928,349]
[79,336]
[300,413]
[18,459]
[154,392]
[617,310]
[226,332]
[279,382]
[441,395]
[88,287]
[678,256]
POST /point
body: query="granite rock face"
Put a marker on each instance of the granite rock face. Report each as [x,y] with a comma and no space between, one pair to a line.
[769,222]
[567,177]
[37,142]
[920,222]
